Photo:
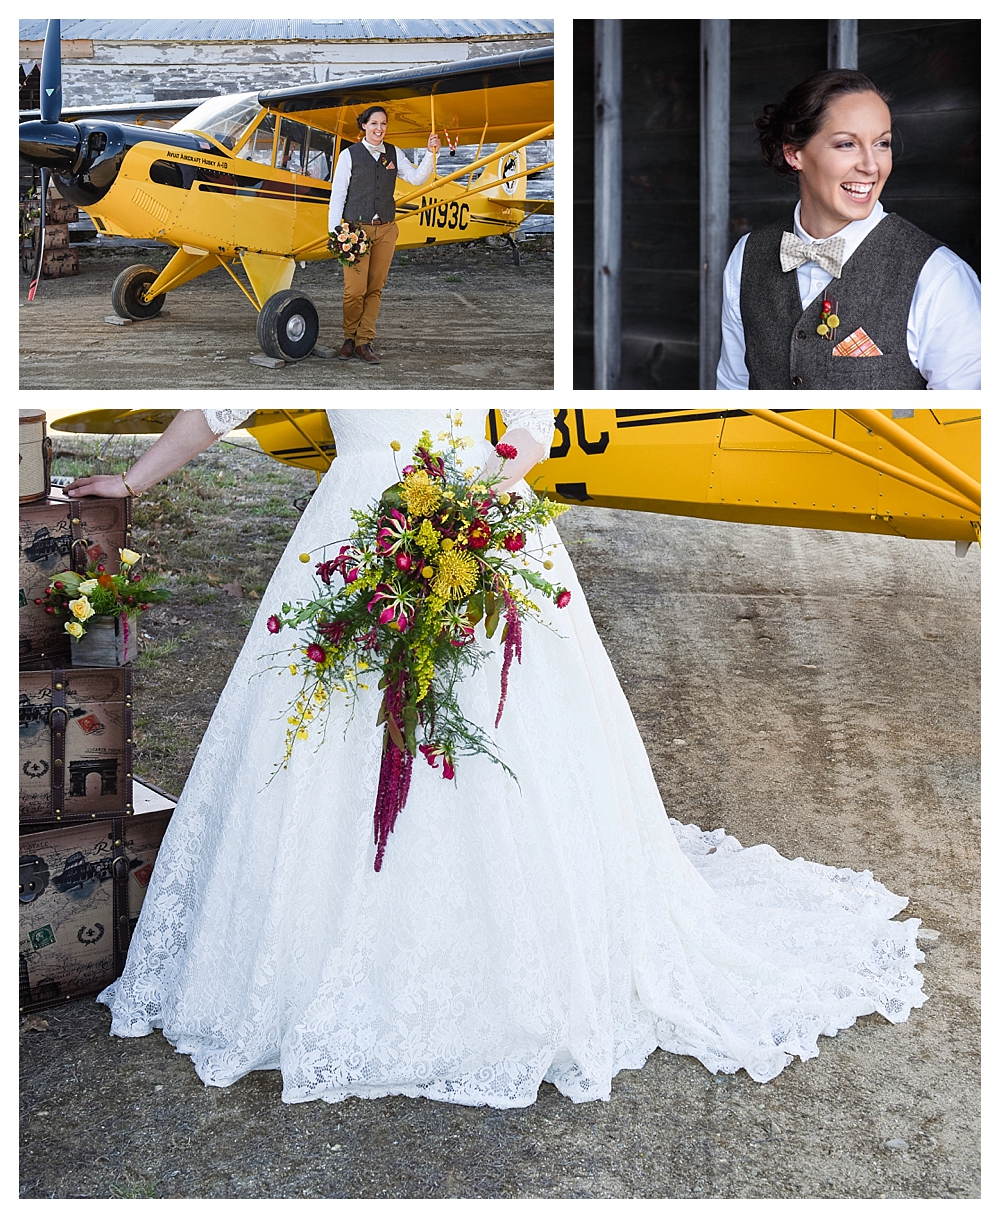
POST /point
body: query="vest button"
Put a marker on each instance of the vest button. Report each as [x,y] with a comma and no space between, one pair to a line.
[796,382]
[800,335]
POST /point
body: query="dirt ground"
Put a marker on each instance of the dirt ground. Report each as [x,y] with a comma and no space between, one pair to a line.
[814,690]
[453,317]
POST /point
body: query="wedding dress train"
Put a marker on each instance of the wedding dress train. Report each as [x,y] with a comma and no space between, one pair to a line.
[556,928]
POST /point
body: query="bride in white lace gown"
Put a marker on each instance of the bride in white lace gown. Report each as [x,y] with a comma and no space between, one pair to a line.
[559,928]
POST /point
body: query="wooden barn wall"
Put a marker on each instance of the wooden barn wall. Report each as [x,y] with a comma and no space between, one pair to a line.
[128,72]
[583,204]
[932,71]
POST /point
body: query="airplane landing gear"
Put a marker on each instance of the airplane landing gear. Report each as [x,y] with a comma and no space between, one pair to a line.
[288,325]
[128,290]
[515,253]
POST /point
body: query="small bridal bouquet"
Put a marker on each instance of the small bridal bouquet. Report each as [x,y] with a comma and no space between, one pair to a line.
[433,569]
[349,244]
[98,594]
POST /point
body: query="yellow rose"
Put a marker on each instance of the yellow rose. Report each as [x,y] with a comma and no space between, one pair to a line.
[75,629]
[129,557]
[81,609]
[88,586]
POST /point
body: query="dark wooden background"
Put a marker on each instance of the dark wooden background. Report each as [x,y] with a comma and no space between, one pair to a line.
[932,71]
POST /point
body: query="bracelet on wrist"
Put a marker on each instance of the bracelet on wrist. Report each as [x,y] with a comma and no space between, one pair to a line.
[131,493]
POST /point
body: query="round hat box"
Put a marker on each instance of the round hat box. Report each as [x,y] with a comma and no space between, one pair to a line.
[35,456]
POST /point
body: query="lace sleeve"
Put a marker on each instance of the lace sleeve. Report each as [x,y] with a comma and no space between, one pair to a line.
[537,423]
[222,421]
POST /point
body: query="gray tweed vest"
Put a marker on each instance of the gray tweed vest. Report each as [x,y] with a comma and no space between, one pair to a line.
[874,291]
[372,186]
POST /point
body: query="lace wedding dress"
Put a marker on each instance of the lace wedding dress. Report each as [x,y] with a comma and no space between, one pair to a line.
[558,928]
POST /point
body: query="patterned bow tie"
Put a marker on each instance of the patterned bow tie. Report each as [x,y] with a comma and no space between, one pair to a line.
[828,254]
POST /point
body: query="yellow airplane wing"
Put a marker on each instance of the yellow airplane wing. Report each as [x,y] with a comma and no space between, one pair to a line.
[501,99]
[856,470]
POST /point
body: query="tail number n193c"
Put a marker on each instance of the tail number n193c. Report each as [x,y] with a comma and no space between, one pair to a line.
[449,214]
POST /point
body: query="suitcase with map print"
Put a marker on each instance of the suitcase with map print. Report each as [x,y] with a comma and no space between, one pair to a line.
[80,890]
[59,534]
[75,743]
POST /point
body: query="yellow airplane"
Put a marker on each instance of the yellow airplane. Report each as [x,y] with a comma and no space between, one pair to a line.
[904,473]
[245,179]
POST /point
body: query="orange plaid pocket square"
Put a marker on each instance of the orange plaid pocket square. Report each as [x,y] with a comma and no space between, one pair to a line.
[857,344]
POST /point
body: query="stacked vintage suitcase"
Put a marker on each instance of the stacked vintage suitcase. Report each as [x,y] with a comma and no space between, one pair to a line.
[89,832]
[59,258]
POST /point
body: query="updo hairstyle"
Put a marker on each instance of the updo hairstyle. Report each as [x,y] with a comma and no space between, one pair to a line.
[365,115]
[801,112]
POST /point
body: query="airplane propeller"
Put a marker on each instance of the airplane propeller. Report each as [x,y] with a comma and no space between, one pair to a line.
[84,156]
[50,106]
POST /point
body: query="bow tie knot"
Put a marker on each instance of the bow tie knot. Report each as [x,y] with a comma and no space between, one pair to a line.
[828,254]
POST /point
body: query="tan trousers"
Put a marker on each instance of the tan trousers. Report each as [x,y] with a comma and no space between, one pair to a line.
[363,283]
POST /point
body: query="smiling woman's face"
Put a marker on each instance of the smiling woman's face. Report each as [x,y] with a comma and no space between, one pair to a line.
[374,129]
[844,167]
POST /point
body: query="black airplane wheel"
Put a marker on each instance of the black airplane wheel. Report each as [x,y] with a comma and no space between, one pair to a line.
[128,290]
[288,326]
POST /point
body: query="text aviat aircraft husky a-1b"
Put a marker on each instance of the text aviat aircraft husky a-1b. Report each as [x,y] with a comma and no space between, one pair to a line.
[246,178]
[902,473]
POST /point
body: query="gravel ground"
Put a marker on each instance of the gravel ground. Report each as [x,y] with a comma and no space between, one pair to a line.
[814,690]
[453,317]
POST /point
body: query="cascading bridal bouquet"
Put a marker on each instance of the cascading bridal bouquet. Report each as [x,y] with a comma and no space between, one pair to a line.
[348,243]
[441,552]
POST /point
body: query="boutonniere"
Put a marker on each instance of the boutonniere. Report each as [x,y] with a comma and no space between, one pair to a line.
[828,321]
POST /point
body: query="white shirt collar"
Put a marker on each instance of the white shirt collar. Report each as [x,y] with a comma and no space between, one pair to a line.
[853,233]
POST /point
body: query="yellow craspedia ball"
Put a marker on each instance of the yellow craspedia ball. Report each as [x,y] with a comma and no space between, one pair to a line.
[447,544]
[427,572]
[822,328]
[834,320]
[303,558]
[395,446]
[548,564]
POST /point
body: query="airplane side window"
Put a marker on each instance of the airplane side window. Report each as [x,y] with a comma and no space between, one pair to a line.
[305,150]
[260,147]
[292,141]
[319,158]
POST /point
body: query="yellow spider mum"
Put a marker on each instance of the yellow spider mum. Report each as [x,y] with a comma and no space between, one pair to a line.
[420,493]
[456,574]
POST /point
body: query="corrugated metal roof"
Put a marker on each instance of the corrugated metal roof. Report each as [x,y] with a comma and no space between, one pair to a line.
[279,28]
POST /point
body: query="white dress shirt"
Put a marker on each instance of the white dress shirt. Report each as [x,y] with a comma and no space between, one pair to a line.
[942,331]
[416,175]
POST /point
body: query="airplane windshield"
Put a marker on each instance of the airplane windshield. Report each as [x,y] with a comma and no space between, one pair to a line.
[224,119]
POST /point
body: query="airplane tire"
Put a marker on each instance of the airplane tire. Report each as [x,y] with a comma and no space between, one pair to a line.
[127,291]
[287,326]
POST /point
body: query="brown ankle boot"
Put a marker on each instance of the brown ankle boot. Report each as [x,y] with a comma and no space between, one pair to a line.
[364,351]
[347,350]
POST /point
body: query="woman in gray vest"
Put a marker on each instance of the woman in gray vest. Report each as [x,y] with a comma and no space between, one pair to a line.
[842,294]
[364,185]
